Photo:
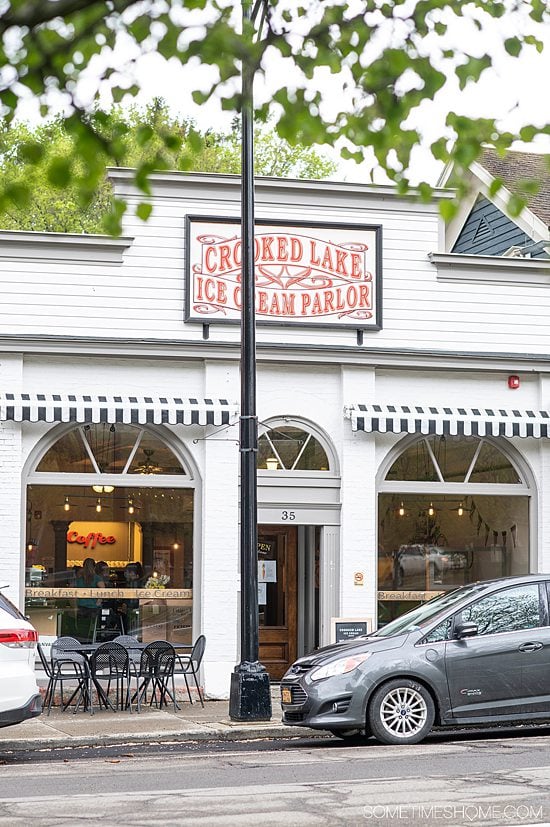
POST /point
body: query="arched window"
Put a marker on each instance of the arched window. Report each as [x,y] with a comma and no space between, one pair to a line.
[110,449]
[451,510]
[291,448]
[119,495]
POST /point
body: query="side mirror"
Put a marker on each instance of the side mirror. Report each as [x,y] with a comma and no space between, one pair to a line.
[463,630]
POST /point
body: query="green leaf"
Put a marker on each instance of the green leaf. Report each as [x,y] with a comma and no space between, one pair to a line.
[531,40]
[472,69]
[516,204]
[495,187]
[513,46]
[144,210]
[144,133]
[59,172]
[19,193]
[31,151]
[112,221]
[200,97]
[448,209]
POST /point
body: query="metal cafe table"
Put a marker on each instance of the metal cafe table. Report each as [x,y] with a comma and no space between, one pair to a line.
[88,649]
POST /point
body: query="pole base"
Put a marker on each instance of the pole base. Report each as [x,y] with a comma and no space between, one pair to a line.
[250,694]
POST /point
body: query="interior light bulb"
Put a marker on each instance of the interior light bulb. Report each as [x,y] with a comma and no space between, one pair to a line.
[98,506]
[131,508]
[401,510]
[460,510]
[67,505]
[431,510]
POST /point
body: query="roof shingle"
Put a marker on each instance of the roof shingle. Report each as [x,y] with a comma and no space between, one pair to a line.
[516,167]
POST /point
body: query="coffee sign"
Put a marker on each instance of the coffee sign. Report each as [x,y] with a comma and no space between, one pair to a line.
[306,274]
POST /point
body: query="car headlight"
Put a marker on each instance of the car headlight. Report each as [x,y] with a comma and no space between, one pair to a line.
[339,667]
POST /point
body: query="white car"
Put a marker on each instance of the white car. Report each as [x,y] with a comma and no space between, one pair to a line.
[19,694]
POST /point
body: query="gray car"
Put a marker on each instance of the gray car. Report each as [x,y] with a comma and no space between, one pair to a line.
[477,655]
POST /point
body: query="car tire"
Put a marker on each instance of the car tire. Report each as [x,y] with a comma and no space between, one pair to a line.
[401,711]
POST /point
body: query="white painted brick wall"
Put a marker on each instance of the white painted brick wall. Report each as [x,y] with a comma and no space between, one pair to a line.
[220,529]
[11,539]
[359,551]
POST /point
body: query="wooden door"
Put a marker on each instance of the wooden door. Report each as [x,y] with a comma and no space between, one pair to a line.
[277,597]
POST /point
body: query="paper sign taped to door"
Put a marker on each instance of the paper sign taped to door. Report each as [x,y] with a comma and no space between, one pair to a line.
[267,571]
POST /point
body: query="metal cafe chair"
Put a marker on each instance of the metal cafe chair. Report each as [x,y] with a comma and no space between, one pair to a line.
[66,665]
[156,673]
[110,663]
[134,649]
[187,665]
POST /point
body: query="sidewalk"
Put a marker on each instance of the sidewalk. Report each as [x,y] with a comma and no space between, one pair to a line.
[190,723]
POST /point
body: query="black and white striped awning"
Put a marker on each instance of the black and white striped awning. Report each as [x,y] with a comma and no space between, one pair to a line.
[427,419]
[129,410]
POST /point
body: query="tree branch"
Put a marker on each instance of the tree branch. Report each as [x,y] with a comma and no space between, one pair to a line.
[32,14]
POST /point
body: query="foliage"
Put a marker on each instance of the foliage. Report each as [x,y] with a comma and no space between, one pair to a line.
[391,55]
[153,137]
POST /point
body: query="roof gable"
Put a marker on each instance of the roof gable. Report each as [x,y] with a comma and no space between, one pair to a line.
[487,231]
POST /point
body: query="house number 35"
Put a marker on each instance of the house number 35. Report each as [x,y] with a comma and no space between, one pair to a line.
[288,515]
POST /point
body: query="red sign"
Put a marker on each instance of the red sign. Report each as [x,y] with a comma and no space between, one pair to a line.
[90,540]
[315,274]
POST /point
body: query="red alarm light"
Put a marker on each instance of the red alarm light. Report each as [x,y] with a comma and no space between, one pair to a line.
[513,383]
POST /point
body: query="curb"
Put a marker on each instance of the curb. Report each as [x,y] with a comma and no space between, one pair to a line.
[232,733]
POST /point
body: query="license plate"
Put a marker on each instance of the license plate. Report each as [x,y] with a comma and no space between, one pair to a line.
[286,696]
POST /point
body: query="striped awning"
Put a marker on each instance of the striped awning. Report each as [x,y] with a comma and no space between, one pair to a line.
[129,410]
[427,419]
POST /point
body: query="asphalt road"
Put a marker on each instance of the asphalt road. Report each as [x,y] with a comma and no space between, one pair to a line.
[454,780]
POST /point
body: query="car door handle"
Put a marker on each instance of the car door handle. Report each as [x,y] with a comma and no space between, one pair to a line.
[530,647]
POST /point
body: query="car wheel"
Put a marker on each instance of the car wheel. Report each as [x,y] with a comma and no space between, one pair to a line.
[401,712]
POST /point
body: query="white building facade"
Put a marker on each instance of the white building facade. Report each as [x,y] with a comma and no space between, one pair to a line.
[403,444]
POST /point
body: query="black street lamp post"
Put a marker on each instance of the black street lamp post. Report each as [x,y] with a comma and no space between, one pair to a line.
[250,698]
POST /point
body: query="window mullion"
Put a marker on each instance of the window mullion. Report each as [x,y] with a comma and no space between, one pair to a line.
[132,453]
[473,462]
[279,460]
[89,451]
[435,462]
[301,452]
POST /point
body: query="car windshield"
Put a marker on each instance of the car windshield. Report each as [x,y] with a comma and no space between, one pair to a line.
[424,613]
